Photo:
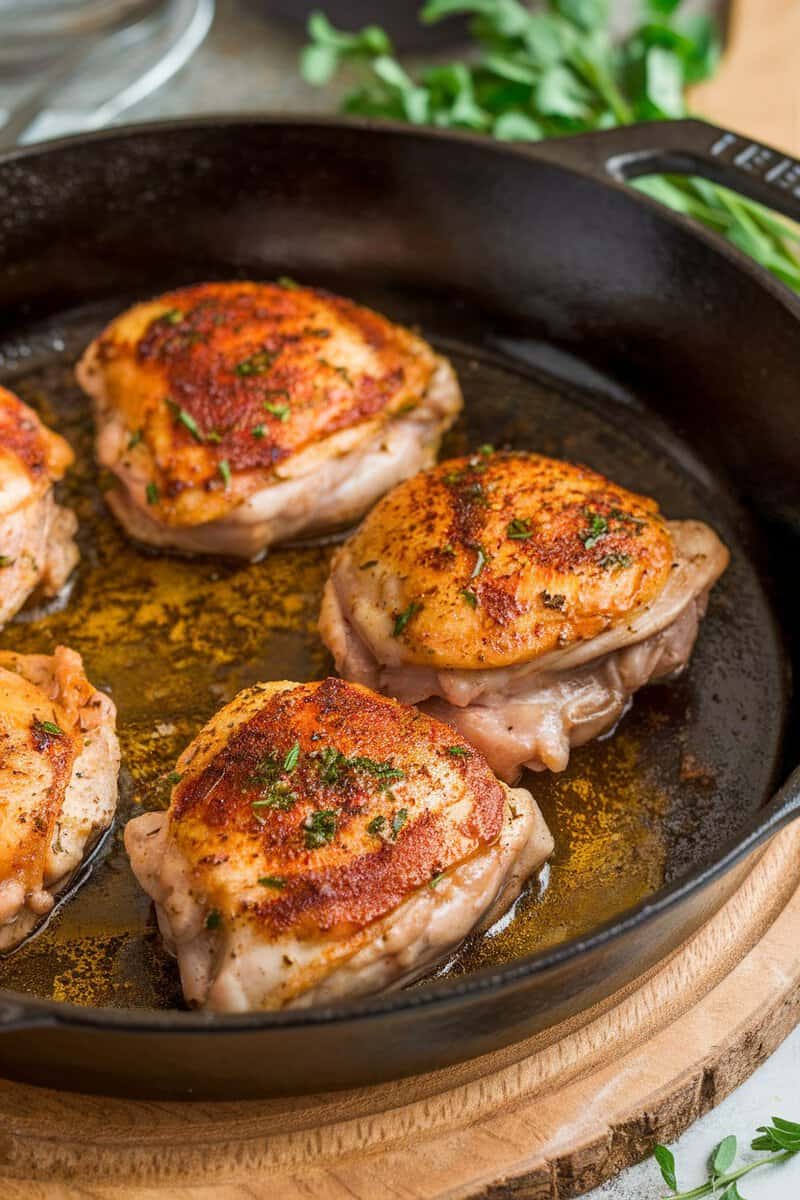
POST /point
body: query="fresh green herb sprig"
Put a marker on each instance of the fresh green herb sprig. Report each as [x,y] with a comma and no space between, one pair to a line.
[538,74]
[781,1139]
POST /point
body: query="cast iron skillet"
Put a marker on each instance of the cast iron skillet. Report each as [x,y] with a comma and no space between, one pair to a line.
[584,320]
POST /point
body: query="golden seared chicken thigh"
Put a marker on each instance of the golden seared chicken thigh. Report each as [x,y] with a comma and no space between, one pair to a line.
[59,759]
[236,415]
[322,842]
[37,550]
[522,598]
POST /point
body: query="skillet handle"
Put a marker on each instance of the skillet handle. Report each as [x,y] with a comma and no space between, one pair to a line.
[685,148]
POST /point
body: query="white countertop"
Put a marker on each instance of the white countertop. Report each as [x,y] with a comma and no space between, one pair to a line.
[248,64]
[774,1091]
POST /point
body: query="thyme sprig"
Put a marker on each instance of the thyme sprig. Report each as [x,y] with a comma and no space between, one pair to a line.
[781,1139]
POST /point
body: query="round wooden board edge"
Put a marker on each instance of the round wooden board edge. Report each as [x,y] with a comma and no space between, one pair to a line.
[674,1044]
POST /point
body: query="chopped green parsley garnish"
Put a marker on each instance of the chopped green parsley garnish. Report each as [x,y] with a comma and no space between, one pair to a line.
[291,759]
[225,471]
[173,316]
[459,751]
[151,491]
[259,431]
[519,530]
[480,561]
[398,820]
[402,619]
[436,879]
[214,436]
[51,728]
[616,560]
[273,881]
[320,828]
[333,765]
[188,420]
[257,364]
[627,518]
[595,530]
[470,598]
[278,795]
[214,919]
[173,778]
[376,826]
[281,411]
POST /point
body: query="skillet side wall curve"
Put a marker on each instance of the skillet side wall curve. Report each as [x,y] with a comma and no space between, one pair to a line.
[501,242]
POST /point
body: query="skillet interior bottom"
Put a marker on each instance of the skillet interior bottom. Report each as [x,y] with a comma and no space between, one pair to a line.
[174,639]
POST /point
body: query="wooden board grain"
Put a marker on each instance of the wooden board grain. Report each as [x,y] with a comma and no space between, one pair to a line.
[756,90]
[568,1115]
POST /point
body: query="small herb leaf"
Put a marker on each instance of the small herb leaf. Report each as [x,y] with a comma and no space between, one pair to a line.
[291,759]
[666,1161]
[402,619]
[724,1155]
[320,829]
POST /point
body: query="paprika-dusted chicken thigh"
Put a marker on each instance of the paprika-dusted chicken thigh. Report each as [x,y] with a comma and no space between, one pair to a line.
[37,550]
[59,759]
[237,415]
[522,598]
[323,842]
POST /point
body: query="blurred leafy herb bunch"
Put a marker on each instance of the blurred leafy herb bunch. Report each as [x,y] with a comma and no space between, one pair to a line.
[539,73]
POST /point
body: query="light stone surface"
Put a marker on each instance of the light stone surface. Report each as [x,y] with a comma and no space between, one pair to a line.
[774,1091]
[249,64]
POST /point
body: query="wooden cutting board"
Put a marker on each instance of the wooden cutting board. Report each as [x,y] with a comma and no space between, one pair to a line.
[547,1126]
[756,90]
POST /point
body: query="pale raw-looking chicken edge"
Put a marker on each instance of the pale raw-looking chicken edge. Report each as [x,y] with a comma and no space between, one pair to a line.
[522,599]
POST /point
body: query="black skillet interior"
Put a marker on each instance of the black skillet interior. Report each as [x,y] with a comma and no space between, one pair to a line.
[582,324]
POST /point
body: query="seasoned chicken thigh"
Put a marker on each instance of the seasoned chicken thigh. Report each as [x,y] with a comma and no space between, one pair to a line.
[37,550]
[237,415]
[59,760]
[523,599]
[322,842]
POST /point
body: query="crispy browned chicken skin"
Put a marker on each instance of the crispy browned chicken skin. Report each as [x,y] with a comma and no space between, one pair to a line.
[37,550]
[236,415]
[59,759]
[523,598]
[324,841]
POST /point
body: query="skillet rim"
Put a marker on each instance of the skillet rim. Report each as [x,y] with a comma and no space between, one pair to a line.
[19,1010]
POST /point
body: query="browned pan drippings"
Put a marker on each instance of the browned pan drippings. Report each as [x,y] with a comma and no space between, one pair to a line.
[174,639]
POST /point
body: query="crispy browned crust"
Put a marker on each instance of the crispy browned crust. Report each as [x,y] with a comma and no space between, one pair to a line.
[453,807]
[44,455]
[499,558]
[218,352]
